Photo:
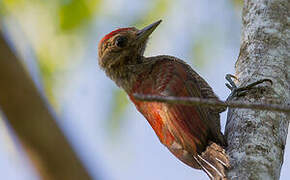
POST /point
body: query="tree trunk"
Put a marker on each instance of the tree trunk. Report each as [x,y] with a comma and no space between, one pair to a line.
[257,138]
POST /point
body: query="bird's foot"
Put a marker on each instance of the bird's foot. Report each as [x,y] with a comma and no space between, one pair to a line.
[241,91]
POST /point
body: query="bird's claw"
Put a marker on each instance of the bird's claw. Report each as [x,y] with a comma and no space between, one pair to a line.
[232,84]
[241,91]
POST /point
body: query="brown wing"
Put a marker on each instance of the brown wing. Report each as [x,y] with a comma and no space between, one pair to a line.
[190,126]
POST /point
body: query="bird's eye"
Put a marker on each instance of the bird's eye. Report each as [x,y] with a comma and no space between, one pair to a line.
[121,41]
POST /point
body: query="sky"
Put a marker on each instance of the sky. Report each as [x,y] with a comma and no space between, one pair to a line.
[206,34]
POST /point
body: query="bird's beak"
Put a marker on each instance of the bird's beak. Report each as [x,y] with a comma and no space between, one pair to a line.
[144,33]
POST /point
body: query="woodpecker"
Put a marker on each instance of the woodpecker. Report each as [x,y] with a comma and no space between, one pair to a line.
[191,133]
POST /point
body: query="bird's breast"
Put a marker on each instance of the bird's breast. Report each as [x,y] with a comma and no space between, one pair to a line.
[157,119]
[155,115]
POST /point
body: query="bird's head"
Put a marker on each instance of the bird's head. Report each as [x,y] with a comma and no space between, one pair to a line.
[123,45]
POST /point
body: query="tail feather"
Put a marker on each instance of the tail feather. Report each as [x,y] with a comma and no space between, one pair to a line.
[214,161]
[203,168]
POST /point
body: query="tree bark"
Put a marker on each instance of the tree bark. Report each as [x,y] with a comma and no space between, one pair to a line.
[33,120]
[256,139]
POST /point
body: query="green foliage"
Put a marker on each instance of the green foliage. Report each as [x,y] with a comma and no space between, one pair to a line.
[53,39]
[5,5]
[12,3]
[75,13]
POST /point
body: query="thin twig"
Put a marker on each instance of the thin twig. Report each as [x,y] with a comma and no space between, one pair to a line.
[212,102]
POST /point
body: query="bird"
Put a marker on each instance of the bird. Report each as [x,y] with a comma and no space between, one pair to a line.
[191,133]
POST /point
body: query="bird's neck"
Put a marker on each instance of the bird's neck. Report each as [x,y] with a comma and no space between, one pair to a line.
[125,73]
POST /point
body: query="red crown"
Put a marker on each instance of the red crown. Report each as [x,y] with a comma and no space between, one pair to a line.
[108,36]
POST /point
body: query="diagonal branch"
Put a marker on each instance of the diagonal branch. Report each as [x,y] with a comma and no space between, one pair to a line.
[212,102]
[34,122]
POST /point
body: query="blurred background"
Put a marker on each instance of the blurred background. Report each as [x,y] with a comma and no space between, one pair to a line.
[57,41]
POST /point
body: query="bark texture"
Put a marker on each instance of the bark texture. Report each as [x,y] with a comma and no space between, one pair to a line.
[257,138]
